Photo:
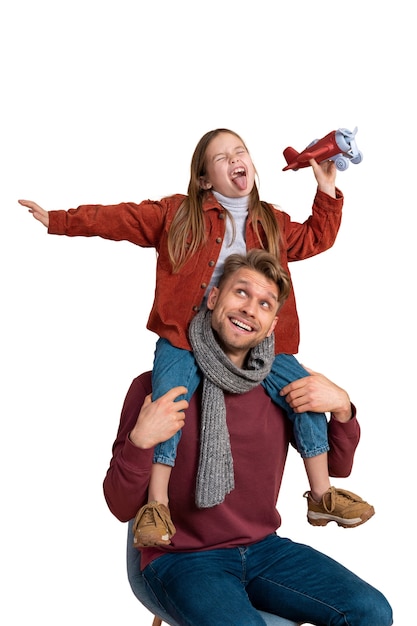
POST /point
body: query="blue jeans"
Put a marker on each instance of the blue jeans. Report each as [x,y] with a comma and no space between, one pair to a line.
[275,575]
[141,589]
[173,367]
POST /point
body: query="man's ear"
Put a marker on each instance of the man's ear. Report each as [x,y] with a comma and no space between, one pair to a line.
[212,298]
[205,184]
[272,327]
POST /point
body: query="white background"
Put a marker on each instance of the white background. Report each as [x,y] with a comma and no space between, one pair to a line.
[104,102]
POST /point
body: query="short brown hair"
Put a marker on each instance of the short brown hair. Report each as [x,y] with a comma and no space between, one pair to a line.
[263,262]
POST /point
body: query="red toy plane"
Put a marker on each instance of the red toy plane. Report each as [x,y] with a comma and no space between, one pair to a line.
[338,146]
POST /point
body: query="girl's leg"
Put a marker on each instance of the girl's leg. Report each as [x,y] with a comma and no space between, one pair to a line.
[158,484]
[310,429]
[172,367]
[325,503]
[317,471]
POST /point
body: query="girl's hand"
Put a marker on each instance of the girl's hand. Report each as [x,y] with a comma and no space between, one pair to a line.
[38,213]
[325,174]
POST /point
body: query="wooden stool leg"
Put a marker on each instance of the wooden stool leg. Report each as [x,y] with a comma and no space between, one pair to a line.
[156,621]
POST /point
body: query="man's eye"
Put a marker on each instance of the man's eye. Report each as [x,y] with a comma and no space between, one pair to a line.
[265,305]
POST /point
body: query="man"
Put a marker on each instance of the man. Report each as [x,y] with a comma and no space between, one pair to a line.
[226,558]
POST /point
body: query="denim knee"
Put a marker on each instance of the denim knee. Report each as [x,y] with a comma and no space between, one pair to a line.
[372,609]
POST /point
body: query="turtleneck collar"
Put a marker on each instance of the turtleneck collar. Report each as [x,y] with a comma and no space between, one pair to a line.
[232,204]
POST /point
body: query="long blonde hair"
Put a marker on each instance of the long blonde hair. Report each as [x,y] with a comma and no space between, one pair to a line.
[187,231]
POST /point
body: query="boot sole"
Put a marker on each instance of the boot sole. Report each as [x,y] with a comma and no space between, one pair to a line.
[322,519]
[146,540]
[148,543]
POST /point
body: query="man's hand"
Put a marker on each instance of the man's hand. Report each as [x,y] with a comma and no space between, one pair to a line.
[325,174]
[159,420]
[318,394]
[38,212]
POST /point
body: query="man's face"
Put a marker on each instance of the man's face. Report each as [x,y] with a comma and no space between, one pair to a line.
[244,312]
[229,168]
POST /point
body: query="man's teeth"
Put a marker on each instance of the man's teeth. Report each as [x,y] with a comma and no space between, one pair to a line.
[241,325]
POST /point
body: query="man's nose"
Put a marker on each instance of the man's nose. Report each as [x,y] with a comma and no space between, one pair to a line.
[248,307]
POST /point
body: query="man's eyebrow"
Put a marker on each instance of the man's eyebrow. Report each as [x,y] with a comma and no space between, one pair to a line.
[273,296]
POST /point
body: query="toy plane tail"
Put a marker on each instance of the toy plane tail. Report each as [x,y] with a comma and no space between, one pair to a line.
[290,155]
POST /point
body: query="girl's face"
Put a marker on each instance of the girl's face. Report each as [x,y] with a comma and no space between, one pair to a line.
[229,168]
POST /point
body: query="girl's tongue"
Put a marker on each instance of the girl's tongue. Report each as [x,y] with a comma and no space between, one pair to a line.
[240,181]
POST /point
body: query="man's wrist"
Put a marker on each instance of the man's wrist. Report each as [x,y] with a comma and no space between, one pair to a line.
[343,415]
[138,442]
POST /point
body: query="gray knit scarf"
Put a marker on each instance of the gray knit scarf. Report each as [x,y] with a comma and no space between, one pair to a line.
[215,476]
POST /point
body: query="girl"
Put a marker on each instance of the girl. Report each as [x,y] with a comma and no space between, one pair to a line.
[193,234]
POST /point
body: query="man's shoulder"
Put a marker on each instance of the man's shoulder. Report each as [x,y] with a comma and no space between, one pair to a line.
[142,383]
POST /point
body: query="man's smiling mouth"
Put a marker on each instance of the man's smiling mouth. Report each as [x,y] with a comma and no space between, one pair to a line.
[241,324]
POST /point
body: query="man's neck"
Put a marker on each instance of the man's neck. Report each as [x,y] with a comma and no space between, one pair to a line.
[238,358]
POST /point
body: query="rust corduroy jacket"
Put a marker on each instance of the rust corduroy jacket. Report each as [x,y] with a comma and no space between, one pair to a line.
[178,296]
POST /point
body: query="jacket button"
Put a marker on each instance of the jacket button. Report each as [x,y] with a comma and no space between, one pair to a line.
[211,263]
[196,309]
[218,240]
[221,216]
[203,285]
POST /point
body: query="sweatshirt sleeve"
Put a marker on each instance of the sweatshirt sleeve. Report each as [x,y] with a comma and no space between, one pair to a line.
[343,440]
[126,482]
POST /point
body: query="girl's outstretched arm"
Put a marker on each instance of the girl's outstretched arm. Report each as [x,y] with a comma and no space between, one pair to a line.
[38,213]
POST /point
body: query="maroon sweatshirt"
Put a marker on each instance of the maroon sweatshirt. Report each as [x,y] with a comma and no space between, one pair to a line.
[259,434]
